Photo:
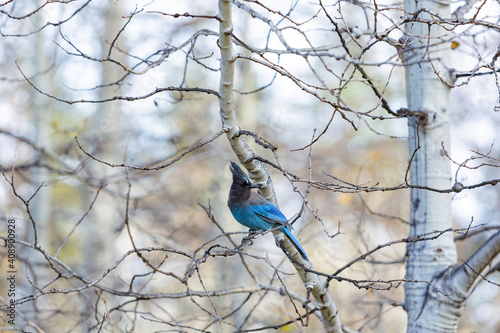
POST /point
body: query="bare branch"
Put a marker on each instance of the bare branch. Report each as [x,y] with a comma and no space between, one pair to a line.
[476,263]
[145,168]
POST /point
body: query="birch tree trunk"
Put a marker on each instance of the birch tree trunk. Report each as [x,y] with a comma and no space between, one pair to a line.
[428,103]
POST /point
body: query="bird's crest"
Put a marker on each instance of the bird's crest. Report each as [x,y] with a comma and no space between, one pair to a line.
[239,176]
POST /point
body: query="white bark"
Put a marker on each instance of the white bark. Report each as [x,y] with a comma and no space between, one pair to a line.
[464,276]
[438,288]
[258,172]
[444,298]
[429,310]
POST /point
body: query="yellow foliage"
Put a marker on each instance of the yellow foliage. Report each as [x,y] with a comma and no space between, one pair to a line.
[375,155]
[345,199]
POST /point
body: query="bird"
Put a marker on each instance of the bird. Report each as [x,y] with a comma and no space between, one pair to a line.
[252,210]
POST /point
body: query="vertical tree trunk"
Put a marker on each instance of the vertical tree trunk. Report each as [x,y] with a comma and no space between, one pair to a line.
[428,103]
[41,204]
[103,127]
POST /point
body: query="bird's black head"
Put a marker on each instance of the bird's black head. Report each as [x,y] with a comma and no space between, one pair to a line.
[239,176]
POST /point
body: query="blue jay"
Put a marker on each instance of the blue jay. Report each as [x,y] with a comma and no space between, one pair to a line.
[253,211]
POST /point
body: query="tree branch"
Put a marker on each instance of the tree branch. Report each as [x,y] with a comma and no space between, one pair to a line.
[317,285]
[465,275]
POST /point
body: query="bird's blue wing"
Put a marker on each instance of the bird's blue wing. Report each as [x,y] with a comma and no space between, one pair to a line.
[271,214]
[259,214]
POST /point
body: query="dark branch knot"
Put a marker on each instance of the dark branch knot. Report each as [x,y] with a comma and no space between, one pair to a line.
[457,187]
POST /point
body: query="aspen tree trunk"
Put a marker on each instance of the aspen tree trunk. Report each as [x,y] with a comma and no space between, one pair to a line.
[316,284]
[41,204]
[429,310]
[40,109]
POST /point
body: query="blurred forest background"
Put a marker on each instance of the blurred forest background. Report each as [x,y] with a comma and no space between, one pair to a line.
[126,54]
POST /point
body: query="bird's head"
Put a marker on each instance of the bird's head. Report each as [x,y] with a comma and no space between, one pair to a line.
[239,176]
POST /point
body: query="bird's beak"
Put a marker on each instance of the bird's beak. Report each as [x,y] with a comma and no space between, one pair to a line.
[254,186]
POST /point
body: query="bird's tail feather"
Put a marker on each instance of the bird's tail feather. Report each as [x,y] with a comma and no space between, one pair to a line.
[295,242]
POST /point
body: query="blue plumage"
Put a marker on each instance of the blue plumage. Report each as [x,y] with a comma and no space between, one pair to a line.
[253,211]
